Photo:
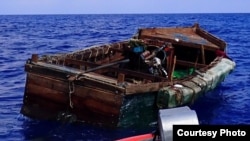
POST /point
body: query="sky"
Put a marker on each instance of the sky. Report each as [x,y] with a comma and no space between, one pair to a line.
[16,7]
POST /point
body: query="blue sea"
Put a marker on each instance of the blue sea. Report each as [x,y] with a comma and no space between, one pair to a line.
[23,35]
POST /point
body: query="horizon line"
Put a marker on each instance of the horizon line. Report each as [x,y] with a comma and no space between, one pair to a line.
[24,14]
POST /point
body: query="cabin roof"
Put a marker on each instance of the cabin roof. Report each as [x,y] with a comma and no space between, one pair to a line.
[192,35]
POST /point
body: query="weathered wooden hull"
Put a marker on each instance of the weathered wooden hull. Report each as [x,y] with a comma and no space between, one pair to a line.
[51,95]
[114,85]
[47,96]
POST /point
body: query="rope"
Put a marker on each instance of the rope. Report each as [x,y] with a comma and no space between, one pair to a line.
[179,96]
[194,94]
[71,91]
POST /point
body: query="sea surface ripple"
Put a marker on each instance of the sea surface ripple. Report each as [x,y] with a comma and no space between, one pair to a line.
[23,35]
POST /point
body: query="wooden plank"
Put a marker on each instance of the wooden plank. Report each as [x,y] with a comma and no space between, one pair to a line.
[121,78]
[189,64]
[203,55]
[208,36]
[170,64]
[89,98]
[182,43]
[173,68]
[98,94]
[53,95]
[101,78]
[46,71]
[47,82]
[62,68]
[81,91]
[98,84]
[59,75]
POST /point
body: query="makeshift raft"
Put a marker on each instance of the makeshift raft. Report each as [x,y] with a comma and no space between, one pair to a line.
[111,84]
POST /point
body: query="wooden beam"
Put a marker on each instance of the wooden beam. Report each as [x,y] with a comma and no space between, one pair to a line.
[211,38]
[189,64]
[34,57]
[170,63]
[121,78]
[119,70]
[173,67]
[203,55]
[183,43]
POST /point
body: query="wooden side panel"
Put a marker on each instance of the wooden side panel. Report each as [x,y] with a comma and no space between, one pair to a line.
[48,85]
[50,96]
[47,82]
[46,93]
[62,75]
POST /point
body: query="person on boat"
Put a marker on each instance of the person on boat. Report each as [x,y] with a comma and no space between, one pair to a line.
[155,62]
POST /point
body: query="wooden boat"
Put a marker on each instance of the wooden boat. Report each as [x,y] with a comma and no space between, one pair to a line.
[158,67]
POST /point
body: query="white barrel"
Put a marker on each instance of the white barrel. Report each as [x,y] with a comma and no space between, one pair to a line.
[175,116]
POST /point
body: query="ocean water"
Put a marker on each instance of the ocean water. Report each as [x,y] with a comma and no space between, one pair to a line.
[23,35]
